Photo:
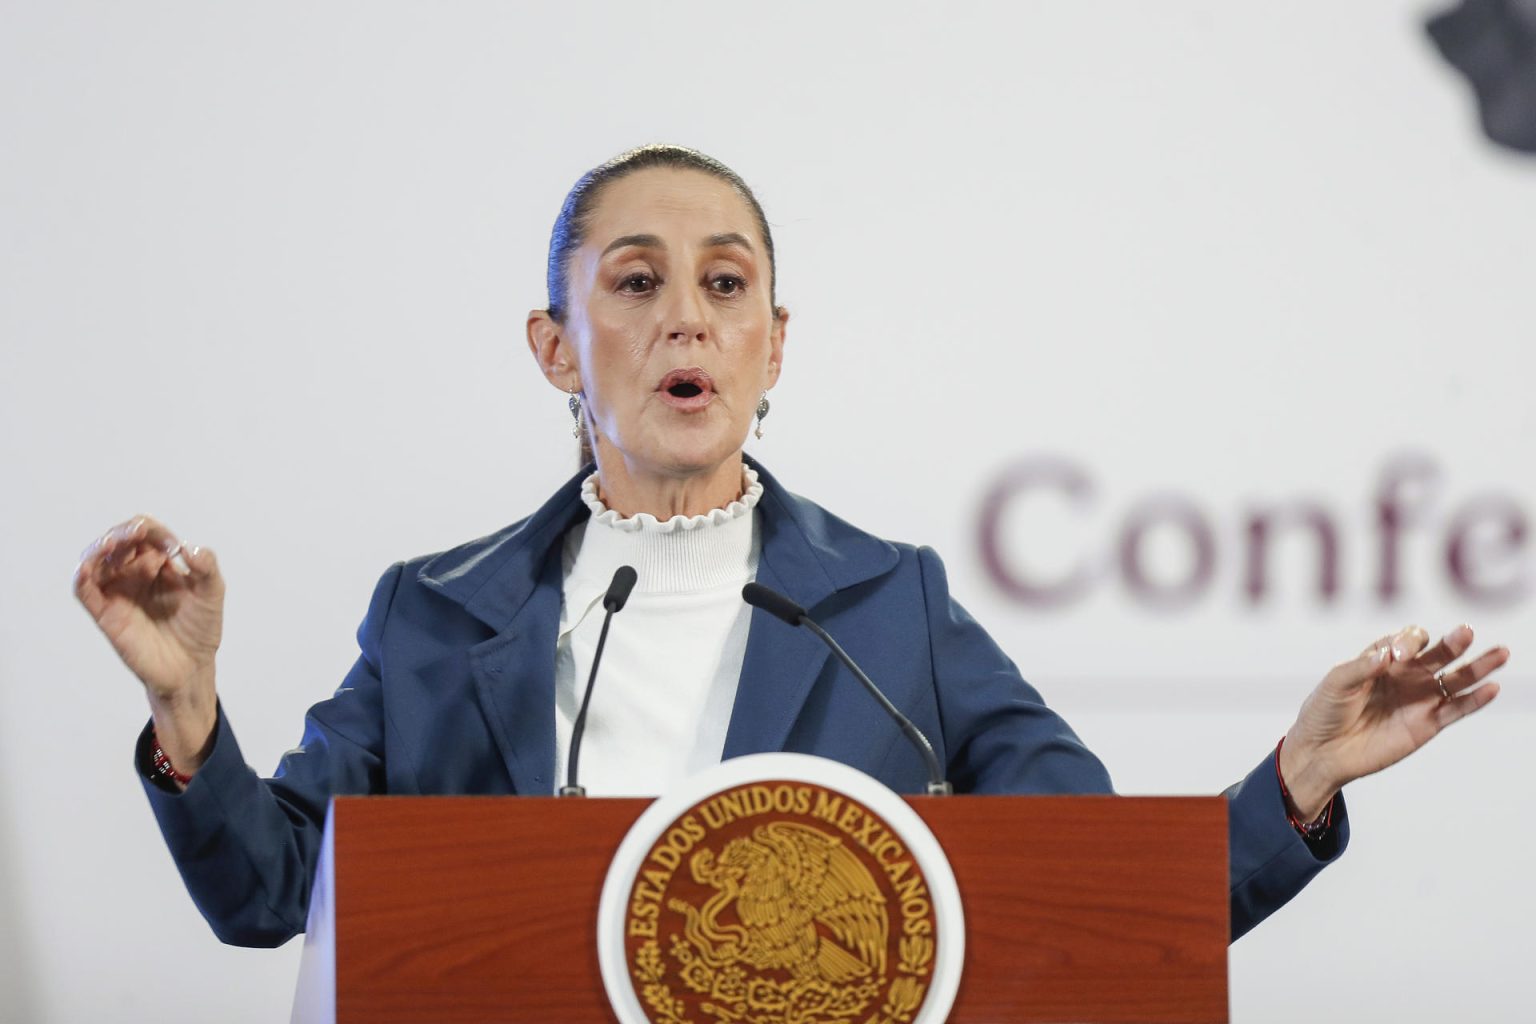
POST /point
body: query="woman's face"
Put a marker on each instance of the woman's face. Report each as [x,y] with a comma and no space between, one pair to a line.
[671,333]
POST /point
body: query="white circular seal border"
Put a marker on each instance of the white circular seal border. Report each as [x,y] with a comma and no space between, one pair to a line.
[612,908]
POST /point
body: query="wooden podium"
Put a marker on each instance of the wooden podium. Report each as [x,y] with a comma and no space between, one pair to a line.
[476,909]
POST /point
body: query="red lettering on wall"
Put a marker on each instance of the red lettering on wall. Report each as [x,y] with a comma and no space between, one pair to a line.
[1480,550]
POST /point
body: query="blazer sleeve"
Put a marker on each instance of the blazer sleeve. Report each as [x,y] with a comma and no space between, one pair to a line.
[999,737]
[247,847]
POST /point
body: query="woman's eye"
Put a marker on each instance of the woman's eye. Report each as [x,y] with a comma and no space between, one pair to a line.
[637,284]
[727,284]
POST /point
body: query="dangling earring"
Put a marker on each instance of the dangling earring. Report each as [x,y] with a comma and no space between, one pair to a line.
[762,414]
[574,404]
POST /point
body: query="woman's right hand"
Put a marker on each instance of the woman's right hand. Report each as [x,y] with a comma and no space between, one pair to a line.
[161,605]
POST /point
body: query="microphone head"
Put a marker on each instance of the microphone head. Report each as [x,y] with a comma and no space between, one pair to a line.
[772,602]
[618,591]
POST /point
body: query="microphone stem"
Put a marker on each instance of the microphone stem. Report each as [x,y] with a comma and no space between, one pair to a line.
[580,726]
[937,786]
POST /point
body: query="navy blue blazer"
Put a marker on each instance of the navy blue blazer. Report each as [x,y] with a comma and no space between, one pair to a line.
[453,693]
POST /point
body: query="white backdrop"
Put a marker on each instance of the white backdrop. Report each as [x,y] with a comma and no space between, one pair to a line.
[263,272]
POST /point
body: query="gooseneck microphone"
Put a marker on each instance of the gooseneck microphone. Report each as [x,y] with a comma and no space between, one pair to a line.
[618,592]
[781,607]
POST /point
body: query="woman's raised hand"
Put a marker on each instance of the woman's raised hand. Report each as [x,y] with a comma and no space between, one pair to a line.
[1376,709]
[161,604]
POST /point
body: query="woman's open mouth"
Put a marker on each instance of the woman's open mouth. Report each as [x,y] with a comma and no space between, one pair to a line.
[687,389]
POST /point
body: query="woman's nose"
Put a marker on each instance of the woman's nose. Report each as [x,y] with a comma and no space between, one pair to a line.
[687,318]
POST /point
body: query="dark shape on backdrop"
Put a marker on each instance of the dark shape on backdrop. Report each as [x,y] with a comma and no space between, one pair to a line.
[1493,43]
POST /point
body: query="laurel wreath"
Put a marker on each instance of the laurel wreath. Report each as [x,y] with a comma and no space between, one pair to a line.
[651,973]
[906,994]
[902,999]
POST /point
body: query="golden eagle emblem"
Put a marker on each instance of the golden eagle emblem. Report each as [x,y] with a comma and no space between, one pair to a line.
[805,904]
[776,903]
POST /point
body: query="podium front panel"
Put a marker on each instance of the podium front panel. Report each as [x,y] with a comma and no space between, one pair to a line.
[473,909]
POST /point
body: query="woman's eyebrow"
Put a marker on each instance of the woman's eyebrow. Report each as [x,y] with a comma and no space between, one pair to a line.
[729,238]
[655,242]
[639,241]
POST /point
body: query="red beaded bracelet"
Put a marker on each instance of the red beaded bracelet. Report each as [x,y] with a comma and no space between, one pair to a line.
[163,766]
[1307,830]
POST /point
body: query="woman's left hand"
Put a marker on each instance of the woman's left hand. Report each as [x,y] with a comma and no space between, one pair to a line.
[1376,709]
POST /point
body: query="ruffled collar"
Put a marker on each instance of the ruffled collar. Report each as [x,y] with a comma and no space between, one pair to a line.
[685,554]
[751,493]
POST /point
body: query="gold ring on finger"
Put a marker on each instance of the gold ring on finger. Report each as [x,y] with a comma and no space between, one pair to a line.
[1440,682]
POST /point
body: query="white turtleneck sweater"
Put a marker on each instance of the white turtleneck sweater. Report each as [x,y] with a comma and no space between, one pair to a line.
[667,683]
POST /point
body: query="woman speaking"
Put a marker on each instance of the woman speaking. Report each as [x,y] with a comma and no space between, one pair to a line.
[664,338]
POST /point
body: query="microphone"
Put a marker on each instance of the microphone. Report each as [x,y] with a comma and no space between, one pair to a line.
[613,601]
[624,578]
[781,607]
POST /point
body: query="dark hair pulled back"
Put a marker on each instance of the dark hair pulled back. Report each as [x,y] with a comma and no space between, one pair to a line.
[576,213]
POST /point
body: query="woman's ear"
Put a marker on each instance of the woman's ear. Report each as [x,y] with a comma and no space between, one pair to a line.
[776,344]
[546,340]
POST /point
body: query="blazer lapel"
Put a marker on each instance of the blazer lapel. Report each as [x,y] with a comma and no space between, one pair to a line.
[515,681]
[511,582]
[809,556]
[780,666]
